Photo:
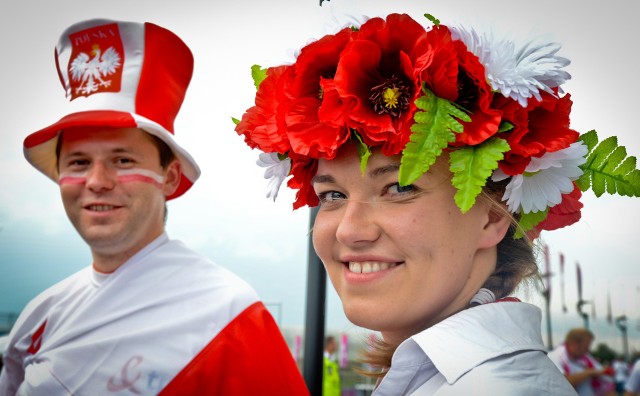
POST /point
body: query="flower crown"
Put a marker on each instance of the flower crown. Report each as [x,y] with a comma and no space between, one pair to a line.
[497,109]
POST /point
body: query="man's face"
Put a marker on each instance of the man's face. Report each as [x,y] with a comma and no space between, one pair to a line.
[332,346]
[578,349]
[113,189]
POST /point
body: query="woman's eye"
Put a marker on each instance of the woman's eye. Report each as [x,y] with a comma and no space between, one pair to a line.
[330,196]
[396,189]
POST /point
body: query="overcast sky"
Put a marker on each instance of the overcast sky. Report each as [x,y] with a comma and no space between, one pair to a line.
[225,216]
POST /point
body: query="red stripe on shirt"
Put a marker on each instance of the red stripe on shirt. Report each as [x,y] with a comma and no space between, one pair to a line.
[248,357]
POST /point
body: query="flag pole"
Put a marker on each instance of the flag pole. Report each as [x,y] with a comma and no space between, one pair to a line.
[314,316]
[546,293]
[313,363]
[581,302]
[621,324]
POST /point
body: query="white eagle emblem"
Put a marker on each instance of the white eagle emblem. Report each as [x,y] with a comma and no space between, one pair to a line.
[92,72]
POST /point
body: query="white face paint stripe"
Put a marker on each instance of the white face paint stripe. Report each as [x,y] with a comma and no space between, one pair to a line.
[123,176]
[143,172]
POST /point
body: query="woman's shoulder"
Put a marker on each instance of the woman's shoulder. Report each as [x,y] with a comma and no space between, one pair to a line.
[519,373]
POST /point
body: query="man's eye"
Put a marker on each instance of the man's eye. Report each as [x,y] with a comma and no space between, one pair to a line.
[124,161]
[77,163]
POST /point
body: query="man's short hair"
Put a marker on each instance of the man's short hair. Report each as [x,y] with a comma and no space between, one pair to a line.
[579,335]
[166,154]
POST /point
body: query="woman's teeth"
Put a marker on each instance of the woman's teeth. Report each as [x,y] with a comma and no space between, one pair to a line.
[366,267]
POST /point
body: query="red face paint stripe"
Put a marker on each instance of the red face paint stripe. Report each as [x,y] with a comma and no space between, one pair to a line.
[72,180]
[122,175]
[139,178]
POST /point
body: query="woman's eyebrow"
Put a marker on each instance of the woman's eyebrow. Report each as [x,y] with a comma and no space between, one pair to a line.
[391,168]
[322,179]
[384,170]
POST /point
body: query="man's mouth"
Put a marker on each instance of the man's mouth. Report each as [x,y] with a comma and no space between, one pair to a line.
[100,208]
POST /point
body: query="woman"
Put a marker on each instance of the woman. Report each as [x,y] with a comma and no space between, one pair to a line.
[434,154]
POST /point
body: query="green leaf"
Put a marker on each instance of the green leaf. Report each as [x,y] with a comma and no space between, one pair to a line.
[608,168]
[472,166]
[528,221]
[235,120]
[505,126]
[364,152]
[433,19]
[590,139]
[432,132]
[258,74]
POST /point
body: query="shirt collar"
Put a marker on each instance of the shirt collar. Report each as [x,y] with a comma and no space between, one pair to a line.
[409,367]
[475,335]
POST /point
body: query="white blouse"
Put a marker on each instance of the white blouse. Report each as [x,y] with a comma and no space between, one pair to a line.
[491,349]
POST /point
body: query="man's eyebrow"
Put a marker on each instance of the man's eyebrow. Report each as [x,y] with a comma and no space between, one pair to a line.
[117,150]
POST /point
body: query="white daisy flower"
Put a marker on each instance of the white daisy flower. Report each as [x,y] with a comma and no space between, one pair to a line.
[276,171]
[544,180]
[517,73]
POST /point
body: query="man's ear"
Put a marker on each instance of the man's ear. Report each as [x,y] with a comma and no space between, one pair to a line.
[496,227]
[171,178]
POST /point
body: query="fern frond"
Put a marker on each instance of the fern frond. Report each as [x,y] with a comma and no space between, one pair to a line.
[432,132]
[608,168]
[471,167]
[528,221]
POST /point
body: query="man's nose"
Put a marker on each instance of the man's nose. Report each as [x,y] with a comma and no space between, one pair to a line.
[100,177]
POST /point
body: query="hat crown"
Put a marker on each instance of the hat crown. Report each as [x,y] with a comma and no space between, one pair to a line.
[139,68]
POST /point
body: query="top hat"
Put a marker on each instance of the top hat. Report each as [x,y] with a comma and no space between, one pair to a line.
[121,75]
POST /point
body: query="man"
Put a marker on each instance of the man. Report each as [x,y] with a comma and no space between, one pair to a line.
[331,374]
[149,316]
[580,368]
[632,387]
[620,373]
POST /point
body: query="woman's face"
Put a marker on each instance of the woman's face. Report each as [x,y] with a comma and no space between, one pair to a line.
[400,258]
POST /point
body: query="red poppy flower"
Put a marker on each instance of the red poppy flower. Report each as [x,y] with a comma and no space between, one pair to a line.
[563,214]
[543,126]
[307,134]
[259,124]
[318,60]
[475,95]
[310,107]
[302,170]
[455,74]
[378,77]
[440,73]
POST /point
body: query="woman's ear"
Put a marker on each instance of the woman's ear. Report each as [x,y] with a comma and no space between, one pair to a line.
[496,226]
[171,178]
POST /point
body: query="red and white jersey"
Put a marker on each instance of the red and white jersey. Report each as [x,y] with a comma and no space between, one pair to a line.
[168,322]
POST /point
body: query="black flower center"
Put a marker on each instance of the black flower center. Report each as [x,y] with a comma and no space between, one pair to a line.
[391,97]
[467,91]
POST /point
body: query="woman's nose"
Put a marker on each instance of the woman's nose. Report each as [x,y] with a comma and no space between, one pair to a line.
[357,225]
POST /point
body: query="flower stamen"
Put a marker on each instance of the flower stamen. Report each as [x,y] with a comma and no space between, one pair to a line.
[391,97]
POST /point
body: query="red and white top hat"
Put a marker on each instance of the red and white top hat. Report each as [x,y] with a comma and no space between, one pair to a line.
[121,75]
